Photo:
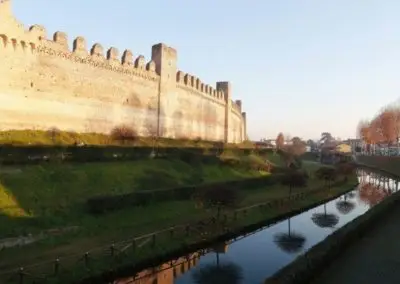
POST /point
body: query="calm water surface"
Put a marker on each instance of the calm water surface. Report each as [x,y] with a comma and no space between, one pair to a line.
[256,257]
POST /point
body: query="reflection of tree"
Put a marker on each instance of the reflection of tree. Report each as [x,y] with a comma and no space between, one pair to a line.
[289,242]
[345,206]
[350,195]
[325,220]
[372,195]
[218,273]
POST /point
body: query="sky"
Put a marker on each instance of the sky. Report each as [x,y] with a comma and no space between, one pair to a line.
[300,67]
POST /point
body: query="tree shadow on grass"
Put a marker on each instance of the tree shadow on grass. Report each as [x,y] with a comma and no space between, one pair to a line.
[156,179]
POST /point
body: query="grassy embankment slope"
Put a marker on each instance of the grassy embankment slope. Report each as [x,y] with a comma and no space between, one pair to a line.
[389,164]
[49,195]
[55,137]
[40,197]
[96,231]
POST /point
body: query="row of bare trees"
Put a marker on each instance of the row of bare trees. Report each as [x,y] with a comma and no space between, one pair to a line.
[383,128]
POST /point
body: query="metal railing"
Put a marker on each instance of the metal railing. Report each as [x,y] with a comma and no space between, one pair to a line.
[111,257]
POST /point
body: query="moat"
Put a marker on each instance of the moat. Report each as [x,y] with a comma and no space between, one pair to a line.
[257,256]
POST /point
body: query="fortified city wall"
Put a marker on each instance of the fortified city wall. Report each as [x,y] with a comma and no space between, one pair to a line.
[45,84]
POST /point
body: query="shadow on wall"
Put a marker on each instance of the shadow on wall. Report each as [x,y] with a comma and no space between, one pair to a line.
[154,120]
[179,126]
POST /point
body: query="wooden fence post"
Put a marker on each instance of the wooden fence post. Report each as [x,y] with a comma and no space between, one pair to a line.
[112,249]
[86,257]
[21,275]
[56,266]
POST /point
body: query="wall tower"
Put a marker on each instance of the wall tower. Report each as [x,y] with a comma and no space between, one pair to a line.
[165,58]
[226,88]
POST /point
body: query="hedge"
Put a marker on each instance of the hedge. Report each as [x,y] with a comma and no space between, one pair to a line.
[11,155]
[105,203]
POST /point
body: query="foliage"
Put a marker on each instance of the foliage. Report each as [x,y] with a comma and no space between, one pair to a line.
[311,143]
[296,140]
[220,196]
[382,128]
[36,154]
[328,174]
[345,169]
[123,134]
[295,178]
[291,153]
[326,137]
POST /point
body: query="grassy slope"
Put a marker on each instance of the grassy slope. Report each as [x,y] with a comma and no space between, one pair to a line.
[136,221]
[42,196]
[38,137]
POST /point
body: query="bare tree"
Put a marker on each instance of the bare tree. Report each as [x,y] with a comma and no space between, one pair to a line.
[54,132]
[280,141]
[123,134]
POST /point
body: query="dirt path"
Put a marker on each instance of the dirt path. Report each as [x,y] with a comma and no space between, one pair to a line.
[373,259]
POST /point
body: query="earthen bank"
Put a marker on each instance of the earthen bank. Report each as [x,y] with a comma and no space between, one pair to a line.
[45,84]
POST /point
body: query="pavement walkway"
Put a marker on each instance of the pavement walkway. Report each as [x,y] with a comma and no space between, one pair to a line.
[375,258]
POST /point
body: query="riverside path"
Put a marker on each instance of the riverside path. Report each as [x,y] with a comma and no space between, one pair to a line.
[374,258]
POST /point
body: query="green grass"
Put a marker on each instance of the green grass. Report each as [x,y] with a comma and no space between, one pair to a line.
[148,220]
[39,137]
[97,231]
[42,196]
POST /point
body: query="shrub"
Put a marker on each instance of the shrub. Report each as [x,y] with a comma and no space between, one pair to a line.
[294,179]
[123,134]
[345,169]
[328,174]
[101,204]
[218,197]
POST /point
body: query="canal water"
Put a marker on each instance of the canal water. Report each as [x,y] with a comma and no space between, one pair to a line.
[253,258]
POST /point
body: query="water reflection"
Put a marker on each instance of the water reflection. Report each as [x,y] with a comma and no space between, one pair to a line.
[163,274]
[325,220]
[290,242]
[345,206]
[216,273]
[257,256]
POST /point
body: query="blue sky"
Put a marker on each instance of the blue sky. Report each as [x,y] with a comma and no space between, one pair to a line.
[300,66]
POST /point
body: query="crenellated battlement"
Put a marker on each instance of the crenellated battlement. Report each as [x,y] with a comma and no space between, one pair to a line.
[192,82]
[237,106]
[34,42]
[47,83]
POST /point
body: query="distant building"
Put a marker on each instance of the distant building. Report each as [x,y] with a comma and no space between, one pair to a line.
[263,145]
[273,142]
[335,151]
[343,148]
[354,144]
